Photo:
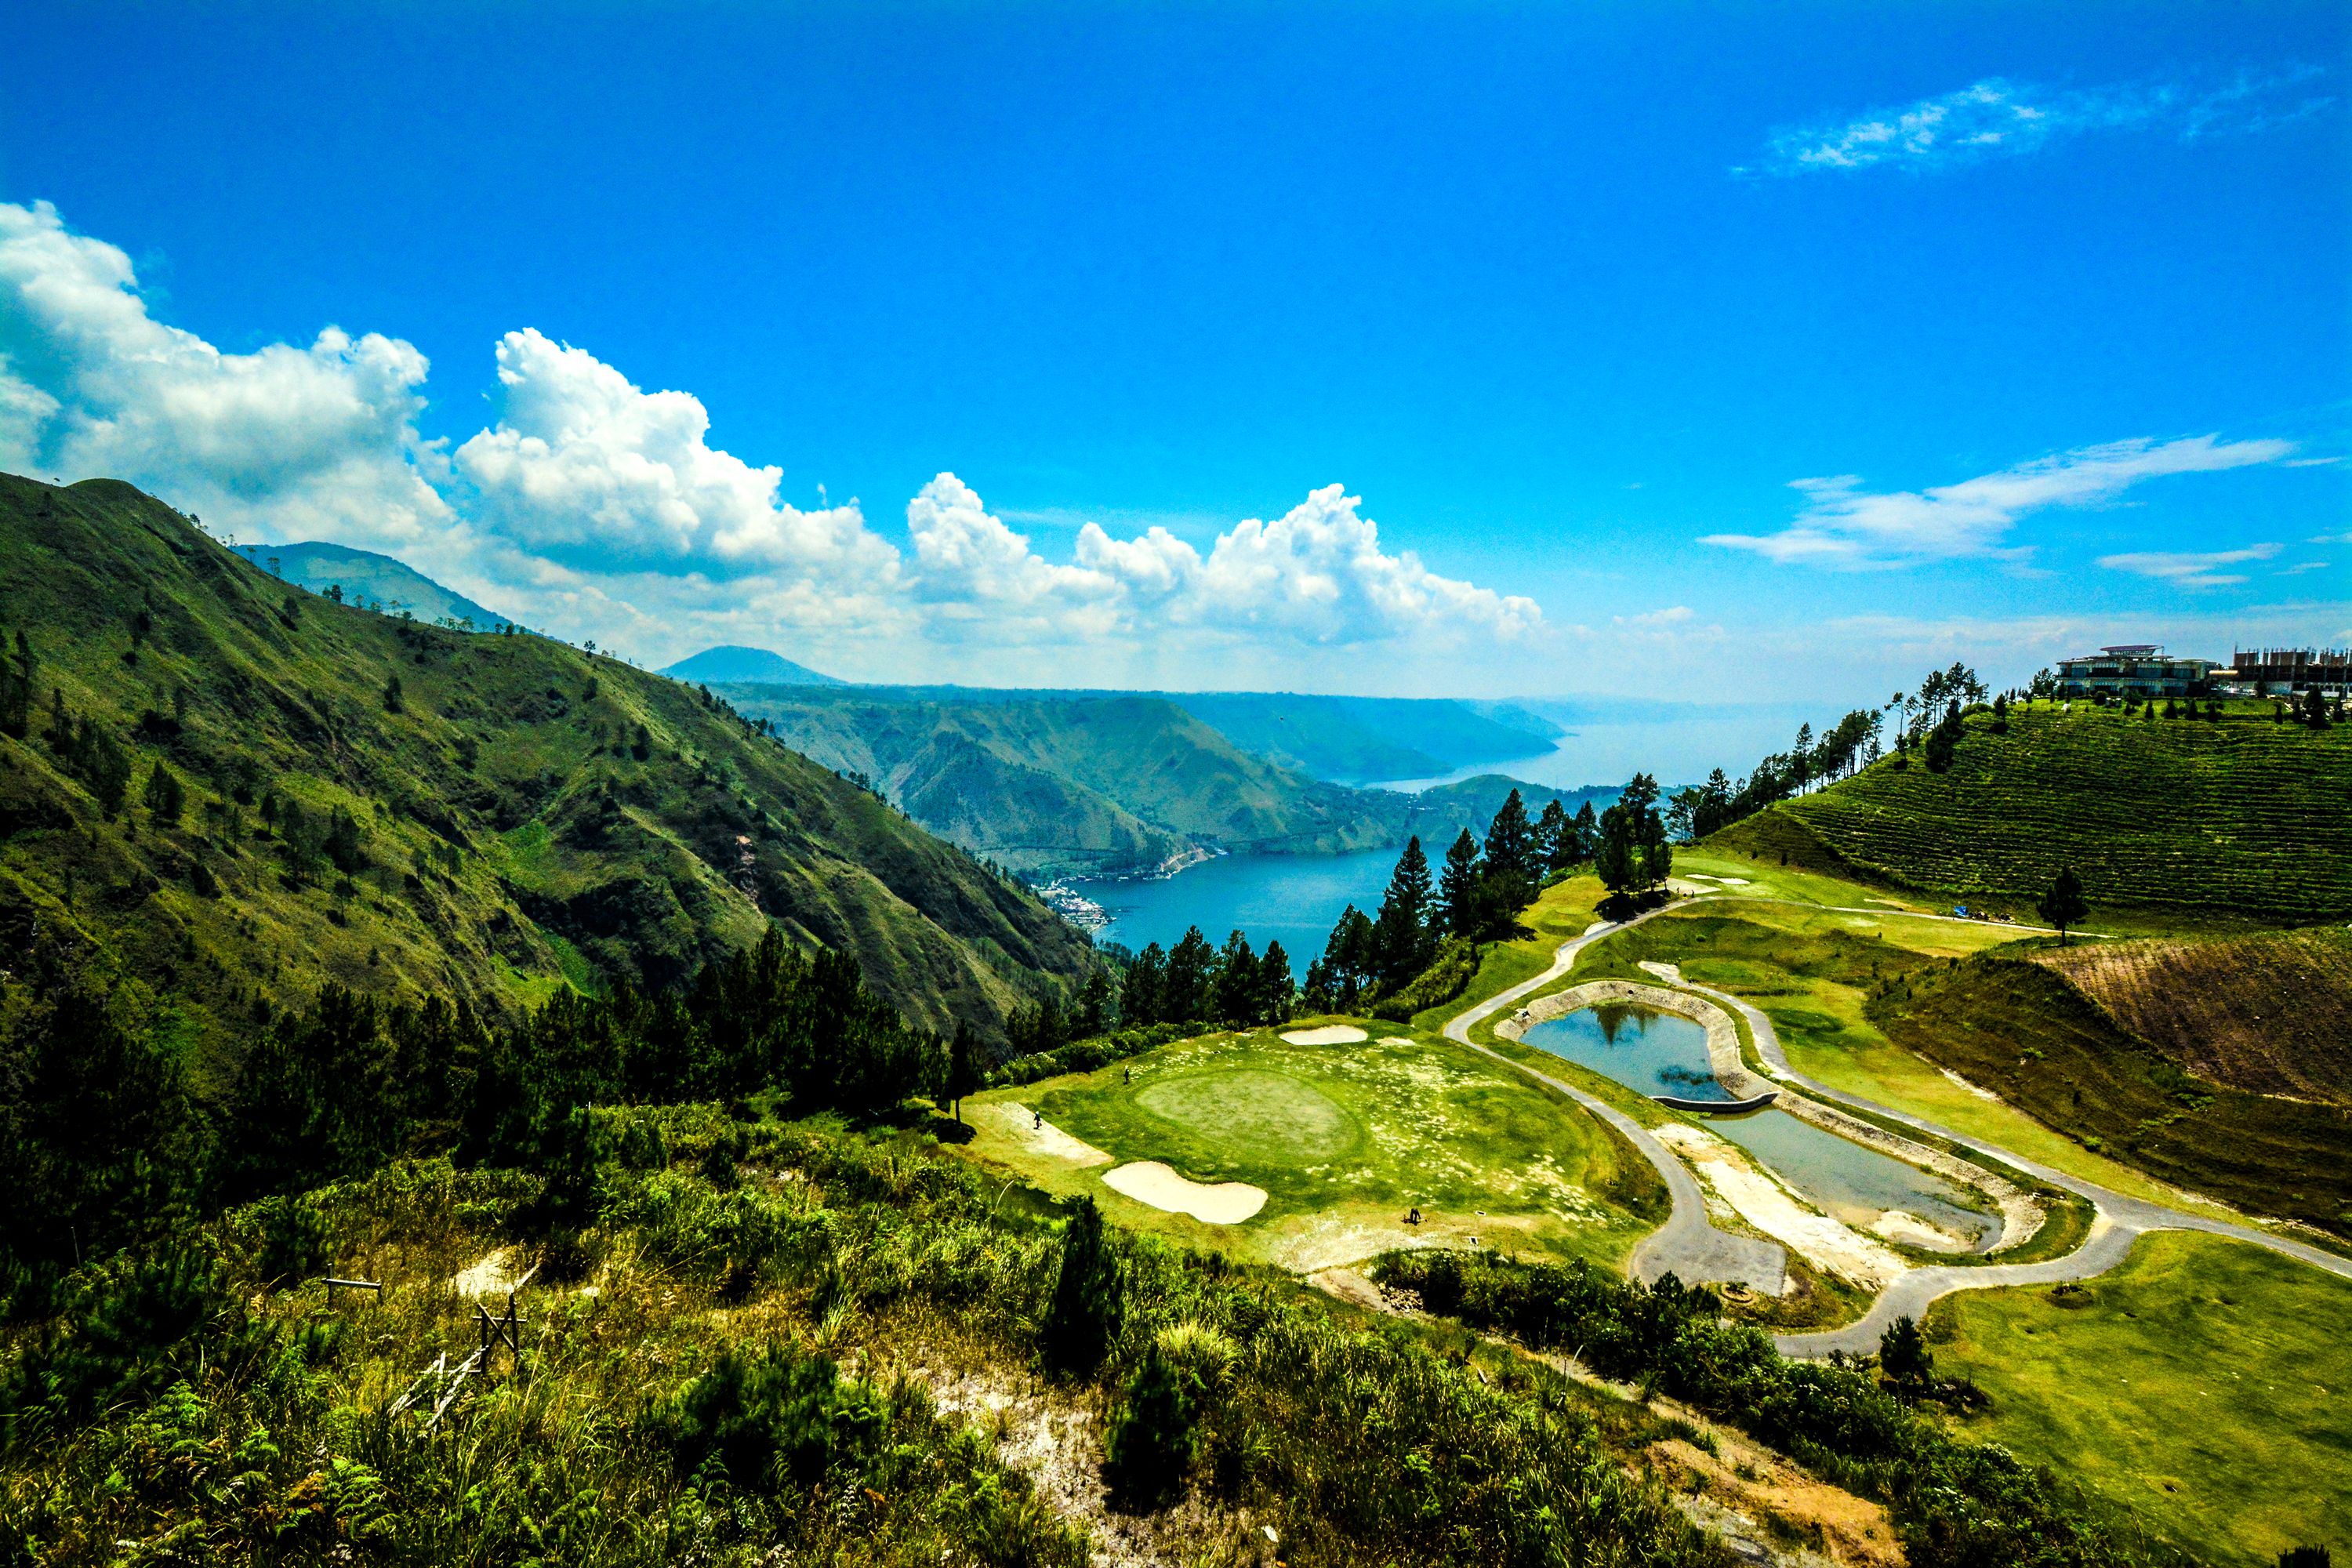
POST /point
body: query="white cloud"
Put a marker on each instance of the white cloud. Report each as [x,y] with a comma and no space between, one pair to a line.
[1845,525]
[2301,567]
[1315,575]
[297,442]
[1655,620]
[2189,570]
[1997,118]
[585,468]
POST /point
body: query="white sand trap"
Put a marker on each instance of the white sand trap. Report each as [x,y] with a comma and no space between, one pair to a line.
[1149,1182]
[1394,1040]
[1329,1035]
[1021,1124]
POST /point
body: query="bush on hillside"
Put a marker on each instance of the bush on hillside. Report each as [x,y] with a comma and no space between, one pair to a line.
[1448,975]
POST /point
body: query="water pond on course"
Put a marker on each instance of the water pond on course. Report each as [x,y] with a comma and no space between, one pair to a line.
[1655,1053]
[1658,1053]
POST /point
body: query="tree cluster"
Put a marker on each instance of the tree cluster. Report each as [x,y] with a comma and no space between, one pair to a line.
[1195,983]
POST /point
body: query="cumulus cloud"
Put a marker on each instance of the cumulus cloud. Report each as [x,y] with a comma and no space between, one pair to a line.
[1845,525]
[1997,118]
[587,468]
[1317,574]
[298,442]
[593,507]
[2187,568]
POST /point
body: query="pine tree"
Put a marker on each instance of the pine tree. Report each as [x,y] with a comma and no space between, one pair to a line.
[2063,905]
[1275,997]
[165,797]
[1087,1307]
[1904,1355]
[1142,989]
[1235,988]
[965,1076]
[1511,840]
[1401,934]
[1457,886]
[1552,828]
[1184,992]
[1587,835]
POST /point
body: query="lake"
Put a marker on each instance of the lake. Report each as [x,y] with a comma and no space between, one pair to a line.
[1656,1053]
[1675,743]
[1295,899]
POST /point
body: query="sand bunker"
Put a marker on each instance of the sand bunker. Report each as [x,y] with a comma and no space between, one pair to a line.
[1394,1040]
[1329,1035]
[1021,1124]
[1149,1182]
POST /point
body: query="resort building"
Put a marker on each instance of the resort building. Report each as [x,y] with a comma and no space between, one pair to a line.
[2283,671]
[2134,670]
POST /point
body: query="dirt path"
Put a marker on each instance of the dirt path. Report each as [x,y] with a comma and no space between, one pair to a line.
[1687,1246]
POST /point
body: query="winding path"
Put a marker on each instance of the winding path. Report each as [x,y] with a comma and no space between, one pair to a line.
[1687,1246]
[2120,1220]
[1694,1249]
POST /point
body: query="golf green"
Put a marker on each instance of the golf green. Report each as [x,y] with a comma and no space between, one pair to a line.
[1263,1115]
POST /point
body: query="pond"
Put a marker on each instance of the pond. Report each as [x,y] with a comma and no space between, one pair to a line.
[1659,1053]
[1648,1051]
[1854,1183]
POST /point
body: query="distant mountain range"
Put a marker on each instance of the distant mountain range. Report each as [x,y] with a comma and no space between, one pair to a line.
[1050,784]
[370,581]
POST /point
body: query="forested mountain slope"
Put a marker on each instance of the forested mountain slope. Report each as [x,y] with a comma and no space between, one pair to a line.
[1103,784]
[2239,815]
[235,790]
[1109,783]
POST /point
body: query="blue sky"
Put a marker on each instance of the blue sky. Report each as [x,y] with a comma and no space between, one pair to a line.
[1746,352]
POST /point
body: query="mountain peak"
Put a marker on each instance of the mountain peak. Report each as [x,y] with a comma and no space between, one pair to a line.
[747,666]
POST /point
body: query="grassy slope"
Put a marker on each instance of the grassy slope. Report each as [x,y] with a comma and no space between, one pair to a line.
[2201,1383]
[2240,816]
[2270,1013]
[557,853]
[2017,1029]
[1344,1139]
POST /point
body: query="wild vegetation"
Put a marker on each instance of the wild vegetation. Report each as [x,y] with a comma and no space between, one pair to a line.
[1954,1502]
[2269,1013]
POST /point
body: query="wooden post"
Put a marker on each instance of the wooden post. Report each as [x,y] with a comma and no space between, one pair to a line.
[351,1284]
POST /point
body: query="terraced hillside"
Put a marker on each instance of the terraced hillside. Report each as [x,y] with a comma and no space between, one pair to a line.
[233,791]
[2270,1013]
[2018,1029]
[2237,816]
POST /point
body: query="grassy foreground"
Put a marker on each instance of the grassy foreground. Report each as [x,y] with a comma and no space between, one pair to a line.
[2203,1385]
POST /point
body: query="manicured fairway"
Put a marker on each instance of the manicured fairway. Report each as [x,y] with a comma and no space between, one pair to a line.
[2205,1384]
[1345,1139]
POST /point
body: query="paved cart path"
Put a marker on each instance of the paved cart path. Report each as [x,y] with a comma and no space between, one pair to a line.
[1690,1246]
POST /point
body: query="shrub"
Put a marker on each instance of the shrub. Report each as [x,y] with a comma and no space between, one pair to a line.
[1089,1301]
[761,1420]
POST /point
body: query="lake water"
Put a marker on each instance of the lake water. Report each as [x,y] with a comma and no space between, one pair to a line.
[1652,1053]
[1675,743]
[1292,899]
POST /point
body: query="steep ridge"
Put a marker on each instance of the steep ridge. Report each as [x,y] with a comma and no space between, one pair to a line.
[2238,815]
[1104,783]
[371,582]
[394,807]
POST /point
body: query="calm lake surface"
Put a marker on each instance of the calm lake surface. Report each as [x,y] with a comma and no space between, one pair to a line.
[1654,1053]
[1291,899]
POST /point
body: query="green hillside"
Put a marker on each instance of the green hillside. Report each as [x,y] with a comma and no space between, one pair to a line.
[401,807]
[2237,816]
[1101,783]
[1105,784]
